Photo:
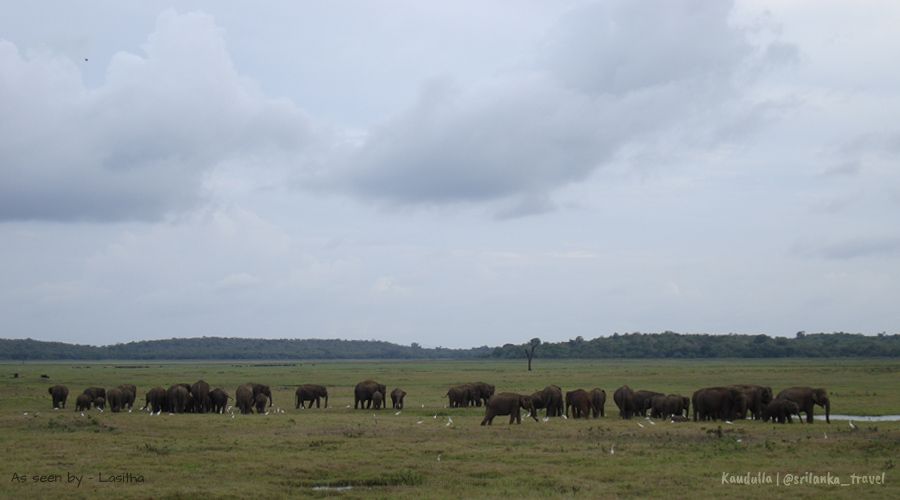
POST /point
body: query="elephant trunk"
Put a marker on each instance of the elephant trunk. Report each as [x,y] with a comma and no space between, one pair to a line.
[828,411]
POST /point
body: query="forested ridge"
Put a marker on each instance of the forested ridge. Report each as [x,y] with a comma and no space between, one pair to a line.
[630,345]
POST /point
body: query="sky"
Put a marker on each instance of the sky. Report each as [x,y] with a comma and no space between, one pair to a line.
[449,173]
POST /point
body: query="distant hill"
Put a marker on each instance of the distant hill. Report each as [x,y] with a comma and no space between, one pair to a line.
[631,345]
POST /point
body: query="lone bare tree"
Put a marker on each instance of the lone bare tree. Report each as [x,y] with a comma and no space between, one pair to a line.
[529,353]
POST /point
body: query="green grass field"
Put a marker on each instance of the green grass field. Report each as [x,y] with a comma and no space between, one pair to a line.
[416,455]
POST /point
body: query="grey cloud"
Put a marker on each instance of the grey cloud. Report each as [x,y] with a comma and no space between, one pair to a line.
[137,146]
[862,247]
[610,75]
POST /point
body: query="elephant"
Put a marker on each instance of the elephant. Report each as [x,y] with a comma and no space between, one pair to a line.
[580,401]
[481,392]
[806,398]
[669,406]
[459,396]
[177,397]
[718,403]
[377,400]
[200,395]
[397,396]
[508,403]
[781,410]
[155,400]
[643,400]
[100,403]
[59,393]
[262,389]
[116,398]
[83,402]
[311,393]
[551,398]
[218,400]
[129,392]
[598,401]
[243,398]
[364,391]
[260,403]
[758,397]
[624,399]
[95,392]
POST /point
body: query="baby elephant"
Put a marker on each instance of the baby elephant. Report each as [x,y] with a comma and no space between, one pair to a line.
[397,396]
[83,402]
[377,400]
[781,410]
[507,403]
[260,403]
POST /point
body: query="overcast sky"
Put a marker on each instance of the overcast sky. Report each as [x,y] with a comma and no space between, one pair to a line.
[449,173]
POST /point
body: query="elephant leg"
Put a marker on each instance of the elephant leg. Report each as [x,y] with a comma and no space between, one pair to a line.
[809,415]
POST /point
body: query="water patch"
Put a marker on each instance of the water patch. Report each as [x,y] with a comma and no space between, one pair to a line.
[862,418]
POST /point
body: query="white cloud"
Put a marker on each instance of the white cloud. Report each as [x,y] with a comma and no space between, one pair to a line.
[137,146]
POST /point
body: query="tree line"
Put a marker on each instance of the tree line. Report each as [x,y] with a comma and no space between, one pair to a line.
[629,345]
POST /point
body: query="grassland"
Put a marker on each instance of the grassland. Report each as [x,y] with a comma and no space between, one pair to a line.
[417,454]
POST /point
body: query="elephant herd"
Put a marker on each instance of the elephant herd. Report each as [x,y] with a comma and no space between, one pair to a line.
[726,403]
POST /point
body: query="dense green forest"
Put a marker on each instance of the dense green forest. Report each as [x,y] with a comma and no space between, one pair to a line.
[631,345]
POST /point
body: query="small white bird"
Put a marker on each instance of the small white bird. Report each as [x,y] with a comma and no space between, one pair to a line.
[129,410]
[545,419]
[100,410]
[395,414]
[419,422]
[26,414]
[652,422]
[229,408]
[612,450]
[729,422]
[435,416]
[825,434]
[423,406]
[565,417]
[527,414]
[232,415]
[348,406]
[267,413]
[852,425]
[738,440]
[439,458]
[449,420]
[82,414]
[640,425]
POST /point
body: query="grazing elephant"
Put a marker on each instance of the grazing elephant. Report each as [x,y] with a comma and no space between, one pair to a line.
[243,398]
[177,397]
[100,403]
[218,400]
[364,391]
[643,401]
[669,406]
[59,393]
[83,402]
[507,403]
[155,400]
[580,401]
[377,400]
[116,399]
[129,392]
[95,392]
[200,396]
[781,410]
[260,403]
[397,396]
[806,398]
[459,396]
[598,401]
[718,403]
[311,393]
[758,397]
[262,389]
[624,399]
[481,392]
[551,398]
